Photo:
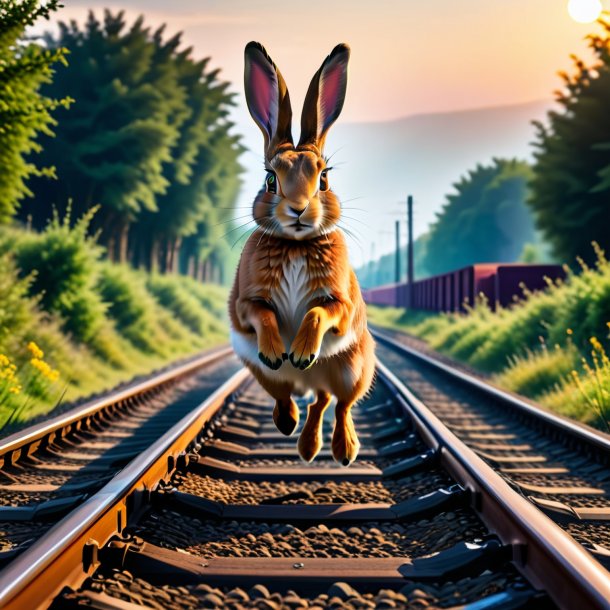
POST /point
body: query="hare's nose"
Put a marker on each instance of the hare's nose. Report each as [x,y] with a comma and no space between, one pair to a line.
[298,211]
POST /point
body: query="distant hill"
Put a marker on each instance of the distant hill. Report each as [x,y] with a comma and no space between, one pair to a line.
[422,155]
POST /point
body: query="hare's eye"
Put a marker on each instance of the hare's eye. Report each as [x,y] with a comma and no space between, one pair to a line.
[324,181]
[271,182]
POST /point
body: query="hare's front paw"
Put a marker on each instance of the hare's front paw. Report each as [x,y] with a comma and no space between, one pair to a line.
[305,348]
[271,352]
[303,355]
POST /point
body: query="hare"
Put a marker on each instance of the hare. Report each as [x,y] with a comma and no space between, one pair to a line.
[297,315]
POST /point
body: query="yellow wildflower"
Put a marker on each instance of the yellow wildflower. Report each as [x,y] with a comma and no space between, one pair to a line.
[16,389]
[45,369]
[569,331]
[4,361]
[596,344]
[35,350]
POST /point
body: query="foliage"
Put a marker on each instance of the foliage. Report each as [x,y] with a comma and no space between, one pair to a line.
[61,262]
[37,376]
[147,139]
[485,220]
[173,294]
[24,111]
[45,336]
[571,180]
[534,346]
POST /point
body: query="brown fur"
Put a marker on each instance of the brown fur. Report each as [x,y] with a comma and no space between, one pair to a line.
[298,225]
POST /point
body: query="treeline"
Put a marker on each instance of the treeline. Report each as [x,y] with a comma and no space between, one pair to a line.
[485,219]
[383,270]
[146,140]
[570,189]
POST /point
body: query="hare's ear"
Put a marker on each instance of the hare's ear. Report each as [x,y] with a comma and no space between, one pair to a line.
[267,96]
[325,96]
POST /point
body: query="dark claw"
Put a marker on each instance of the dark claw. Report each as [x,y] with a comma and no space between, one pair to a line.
[302,365]
[273,365]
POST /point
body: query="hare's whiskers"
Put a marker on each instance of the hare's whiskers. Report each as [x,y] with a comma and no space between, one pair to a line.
[236,229]
[224,222]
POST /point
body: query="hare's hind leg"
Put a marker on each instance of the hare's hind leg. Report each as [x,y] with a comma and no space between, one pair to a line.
[286,411]
[352,379]
[345,443]
[310,440]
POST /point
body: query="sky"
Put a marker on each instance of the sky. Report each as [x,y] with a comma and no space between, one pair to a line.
[408,56]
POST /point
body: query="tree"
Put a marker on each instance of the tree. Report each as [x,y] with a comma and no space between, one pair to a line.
[486,219]
[143,139]
[24,111]
[205,155]
[570,189]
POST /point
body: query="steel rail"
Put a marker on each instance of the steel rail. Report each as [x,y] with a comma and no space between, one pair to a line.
[547,556]
[67,553]
[29,439]
[599,440]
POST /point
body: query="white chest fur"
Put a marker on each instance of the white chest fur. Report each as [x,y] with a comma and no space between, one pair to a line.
[291,297]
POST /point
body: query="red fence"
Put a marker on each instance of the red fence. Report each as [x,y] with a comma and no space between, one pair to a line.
[500,283]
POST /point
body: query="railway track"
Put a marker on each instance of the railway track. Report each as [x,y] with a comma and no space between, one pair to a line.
[560,466]
[219,512]
[52,467]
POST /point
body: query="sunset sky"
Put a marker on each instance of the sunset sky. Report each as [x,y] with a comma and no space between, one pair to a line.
[408,56]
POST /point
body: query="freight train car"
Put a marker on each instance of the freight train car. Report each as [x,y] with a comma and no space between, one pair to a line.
[499,283]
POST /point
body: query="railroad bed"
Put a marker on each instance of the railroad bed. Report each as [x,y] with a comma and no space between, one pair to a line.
[50,468]
[563,468]
[220,512]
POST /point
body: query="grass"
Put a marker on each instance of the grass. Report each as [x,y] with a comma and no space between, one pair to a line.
[551,346]
[73,324]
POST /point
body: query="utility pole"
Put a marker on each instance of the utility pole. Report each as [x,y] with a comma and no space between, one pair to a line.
[397,263]
[409,250]
[397,253]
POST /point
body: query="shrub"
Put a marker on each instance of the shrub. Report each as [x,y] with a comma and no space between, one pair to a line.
[172,292]
[131,307]
[62,263]
[538,372]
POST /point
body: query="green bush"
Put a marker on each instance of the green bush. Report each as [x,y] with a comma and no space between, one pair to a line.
[538,372]
[62,263]
[98,323]
[131,307]
[175,294]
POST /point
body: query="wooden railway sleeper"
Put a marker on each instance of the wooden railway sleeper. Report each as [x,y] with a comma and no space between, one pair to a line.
[413,509]
[161,566]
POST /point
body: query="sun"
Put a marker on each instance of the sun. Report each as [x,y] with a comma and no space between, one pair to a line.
[584,11]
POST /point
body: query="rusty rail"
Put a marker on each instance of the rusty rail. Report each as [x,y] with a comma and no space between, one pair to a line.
[25,442]
[67,554]
[544,553]
[567,427]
